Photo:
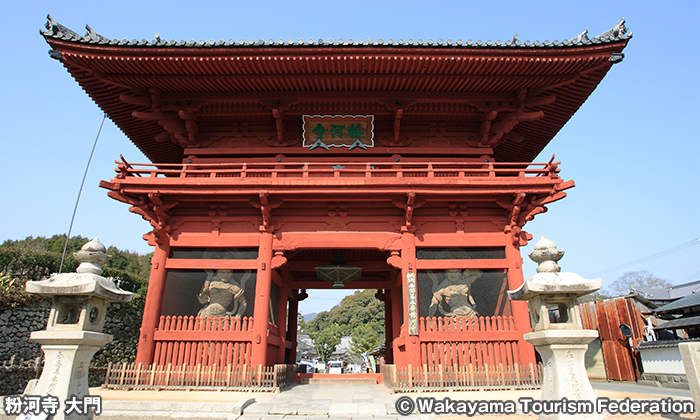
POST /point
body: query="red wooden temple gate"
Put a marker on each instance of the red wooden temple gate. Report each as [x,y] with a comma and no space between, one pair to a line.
[410,160]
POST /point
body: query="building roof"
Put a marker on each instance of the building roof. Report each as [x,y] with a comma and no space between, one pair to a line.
[57,31]
[680,305]
[661,296]
[663,343]
[680,323]
[516,95]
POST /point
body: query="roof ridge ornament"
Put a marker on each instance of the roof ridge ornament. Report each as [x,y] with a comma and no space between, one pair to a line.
[582,37]
[54,28]
[94,36]
[616,32]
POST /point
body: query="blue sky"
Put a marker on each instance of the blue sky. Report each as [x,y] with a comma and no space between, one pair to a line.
[632,149]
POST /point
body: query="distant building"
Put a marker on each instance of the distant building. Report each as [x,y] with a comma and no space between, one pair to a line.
[682,314]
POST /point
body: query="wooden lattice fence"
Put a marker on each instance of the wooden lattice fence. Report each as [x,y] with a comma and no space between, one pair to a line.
[467,377]
[203,340]
[479,341]
[199,377]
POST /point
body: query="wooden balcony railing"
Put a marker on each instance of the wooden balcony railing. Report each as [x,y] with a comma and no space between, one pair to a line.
[454,169]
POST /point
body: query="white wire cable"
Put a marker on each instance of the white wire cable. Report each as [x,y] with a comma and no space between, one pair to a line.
[676,248]
[75,209]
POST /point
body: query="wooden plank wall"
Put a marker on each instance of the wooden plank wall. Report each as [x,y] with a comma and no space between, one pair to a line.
[467,377]
[606,316]
[207,341]
[465,341]
[138,376]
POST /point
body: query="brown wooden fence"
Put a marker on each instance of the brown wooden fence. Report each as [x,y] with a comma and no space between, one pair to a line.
[606,316]
[467,377]
[477,341]
[208,341]
[199,377]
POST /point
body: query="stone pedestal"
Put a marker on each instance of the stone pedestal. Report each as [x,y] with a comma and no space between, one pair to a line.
[67,357]
[564,372]
[690,353]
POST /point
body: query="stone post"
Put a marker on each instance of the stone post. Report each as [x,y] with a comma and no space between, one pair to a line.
[74,331]
[690,353]
[562,345]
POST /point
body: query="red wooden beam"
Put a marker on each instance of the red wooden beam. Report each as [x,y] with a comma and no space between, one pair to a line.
[214,264]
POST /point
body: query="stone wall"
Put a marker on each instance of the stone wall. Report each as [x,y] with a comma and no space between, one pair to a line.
[665,381]
[18,353]
[15,326]
[123,321]
[15,374]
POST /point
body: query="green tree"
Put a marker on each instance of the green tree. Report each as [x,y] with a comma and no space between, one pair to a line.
[360,316]
[33,259]
[129,269]
[326,340]
[592,297]
[53,244]
[365,339]
[636,280]
[354,311]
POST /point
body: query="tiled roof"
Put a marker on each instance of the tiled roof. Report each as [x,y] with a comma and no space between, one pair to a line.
[679,305]
[57,31]
[679,323]
[436,76]
[663,343]
[667,293]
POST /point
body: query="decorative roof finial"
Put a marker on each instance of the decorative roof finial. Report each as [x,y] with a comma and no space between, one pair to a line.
[92,256]
[616,32]
[582,37]
[546,256]
[94,36]
[54,28]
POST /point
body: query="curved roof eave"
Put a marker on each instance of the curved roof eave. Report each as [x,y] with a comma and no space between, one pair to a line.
[107,69]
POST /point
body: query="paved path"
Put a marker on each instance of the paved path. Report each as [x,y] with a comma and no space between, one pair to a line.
[329,400]
[317,402]
[634,388]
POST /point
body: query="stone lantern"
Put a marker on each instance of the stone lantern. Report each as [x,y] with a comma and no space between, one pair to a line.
[74,330]
[562,345]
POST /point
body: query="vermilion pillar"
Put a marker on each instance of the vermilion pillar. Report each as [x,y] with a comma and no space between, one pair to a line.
[154,299]
[521,313]
[261,312]
[408,258]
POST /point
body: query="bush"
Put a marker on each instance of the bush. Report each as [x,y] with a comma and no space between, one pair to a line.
[12,293]
[33,265]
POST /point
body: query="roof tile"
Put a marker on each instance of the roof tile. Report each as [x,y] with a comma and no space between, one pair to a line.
[616,34]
